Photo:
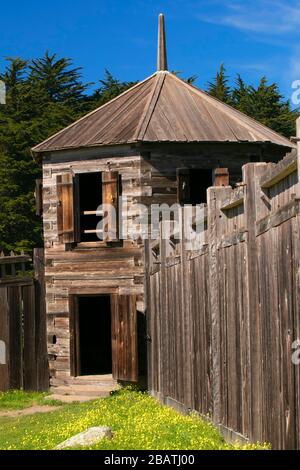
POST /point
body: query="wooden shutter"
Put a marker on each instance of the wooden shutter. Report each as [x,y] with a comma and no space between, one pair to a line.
[39,197]
[221,177]
[110,196]
[124,338]
[183,186]
[65,208]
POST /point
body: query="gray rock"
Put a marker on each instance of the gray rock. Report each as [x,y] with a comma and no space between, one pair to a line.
[87,438]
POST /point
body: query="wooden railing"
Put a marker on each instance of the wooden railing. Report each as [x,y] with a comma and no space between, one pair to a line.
[13,266]
[23,358]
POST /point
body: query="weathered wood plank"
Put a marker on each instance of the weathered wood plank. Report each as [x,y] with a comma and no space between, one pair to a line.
[30,372]
[276,173]
[16,338]
[4,339]
[40,321]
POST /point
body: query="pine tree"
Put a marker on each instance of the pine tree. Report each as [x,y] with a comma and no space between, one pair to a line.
[263,103]
[57,78]
[13,77]
[240,94]
[43,96]
[219,87]
[266,105]
[110,87]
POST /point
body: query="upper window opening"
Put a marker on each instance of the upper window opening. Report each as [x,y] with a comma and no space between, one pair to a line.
[200,180]
[90,198]
[79,199]
[193,184]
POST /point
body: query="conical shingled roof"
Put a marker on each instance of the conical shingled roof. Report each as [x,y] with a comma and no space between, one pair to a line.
[162,108]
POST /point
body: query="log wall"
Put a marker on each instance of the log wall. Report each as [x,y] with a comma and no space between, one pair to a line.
[88,268]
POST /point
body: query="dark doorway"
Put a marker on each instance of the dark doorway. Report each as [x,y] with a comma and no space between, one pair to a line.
[94,335]
[200,180]
[193,184]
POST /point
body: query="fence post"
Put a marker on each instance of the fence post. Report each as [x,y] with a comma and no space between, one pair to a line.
[215,196]
[186,315]
[42,365]
[253,203]
[4,339]
[298,147]
[14,295]
[166,377]
[297,295]
[29,363]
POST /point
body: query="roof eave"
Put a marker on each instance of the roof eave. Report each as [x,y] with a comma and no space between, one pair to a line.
[37,154]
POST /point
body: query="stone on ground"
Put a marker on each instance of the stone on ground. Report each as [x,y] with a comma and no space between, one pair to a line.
[87,438]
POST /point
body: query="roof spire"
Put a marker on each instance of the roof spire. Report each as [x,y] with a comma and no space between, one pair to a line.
[162,49]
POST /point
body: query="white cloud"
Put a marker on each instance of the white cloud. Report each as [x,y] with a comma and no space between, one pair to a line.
[262,67]
[267,17]
[295,64]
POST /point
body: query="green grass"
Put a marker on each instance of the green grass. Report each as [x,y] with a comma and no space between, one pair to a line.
[137,421]
[18,400]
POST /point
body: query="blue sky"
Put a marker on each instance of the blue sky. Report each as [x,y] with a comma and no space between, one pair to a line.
[253,38]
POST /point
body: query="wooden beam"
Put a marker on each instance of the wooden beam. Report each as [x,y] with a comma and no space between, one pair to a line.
[298,146]
[14,259]
[284,213]
[277,172]
[221,177]
[235,199]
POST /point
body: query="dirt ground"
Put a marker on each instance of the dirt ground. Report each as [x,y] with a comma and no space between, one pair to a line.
[28,411]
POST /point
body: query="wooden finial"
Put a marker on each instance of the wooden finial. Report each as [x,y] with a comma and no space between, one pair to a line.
[162,49]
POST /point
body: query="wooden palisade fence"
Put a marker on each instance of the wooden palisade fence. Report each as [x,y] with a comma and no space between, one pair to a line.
[223,316]
[23,358]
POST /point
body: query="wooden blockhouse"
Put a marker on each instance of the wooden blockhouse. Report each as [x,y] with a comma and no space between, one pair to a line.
[162,141]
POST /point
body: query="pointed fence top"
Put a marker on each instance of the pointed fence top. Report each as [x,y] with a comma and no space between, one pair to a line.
[162,48]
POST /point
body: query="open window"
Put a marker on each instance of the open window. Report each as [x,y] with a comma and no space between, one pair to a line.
[192,185]
[89,199]
[79,215]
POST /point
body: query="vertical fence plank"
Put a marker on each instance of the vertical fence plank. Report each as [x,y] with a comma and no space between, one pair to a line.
[251,173]
[40,322]
[296,323]
[187,321]
[4,339]
[214,305]
[30,371]
[15,334]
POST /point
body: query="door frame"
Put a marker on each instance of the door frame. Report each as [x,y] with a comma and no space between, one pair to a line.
[74,336]
[74,322]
